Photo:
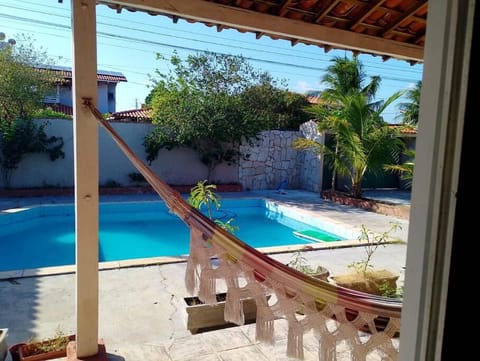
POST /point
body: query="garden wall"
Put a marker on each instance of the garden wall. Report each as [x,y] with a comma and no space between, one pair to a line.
[263,166]
[272,159]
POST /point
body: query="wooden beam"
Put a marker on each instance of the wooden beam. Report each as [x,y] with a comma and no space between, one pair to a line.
[85,132]
[246,20]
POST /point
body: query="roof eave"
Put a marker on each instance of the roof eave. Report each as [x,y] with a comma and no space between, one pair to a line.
[252,21]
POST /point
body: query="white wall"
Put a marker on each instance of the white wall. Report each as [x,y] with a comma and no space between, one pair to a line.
[178,166]
[270,161]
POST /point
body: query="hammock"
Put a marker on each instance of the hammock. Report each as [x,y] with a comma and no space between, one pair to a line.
[335,314]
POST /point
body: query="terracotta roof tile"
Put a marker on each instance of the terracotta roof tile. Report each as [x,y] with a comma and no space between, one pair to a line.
[406,129]
[59,73]
[143,115]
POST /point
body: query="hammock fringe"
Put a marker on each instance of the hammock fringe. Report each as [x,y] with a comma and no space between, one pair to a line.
[265,325]
[295,341]
[234,308]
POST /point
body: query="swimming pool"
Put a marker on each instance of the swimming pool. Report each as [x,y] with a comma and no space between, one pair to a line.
[43,236]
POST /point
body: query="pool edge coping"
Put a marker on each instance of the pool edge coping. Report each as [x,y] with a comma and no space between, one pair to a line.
[158,261]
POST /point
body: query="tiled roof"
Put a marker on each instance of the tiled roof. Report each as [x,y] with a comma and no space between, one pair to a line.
[313,99]
[59,73]
[406,129]
[389,28]
[143,115]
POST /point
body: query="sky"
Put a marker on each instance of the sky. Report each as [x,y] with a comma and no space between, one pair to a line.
[128,43]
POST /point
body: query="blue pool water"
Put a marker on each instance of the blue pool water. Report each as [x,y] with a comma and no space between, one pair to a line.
[44,236]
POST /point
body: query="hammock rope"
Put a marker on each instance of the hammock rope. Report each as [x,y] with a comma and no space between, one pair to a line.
[340,318]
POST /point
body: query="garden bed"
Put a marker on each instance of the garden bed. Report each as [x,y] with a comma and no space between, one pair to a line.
[373,205]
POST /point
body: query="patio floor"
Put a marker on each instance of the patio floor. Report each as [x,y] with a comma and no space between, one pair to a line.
[142,311]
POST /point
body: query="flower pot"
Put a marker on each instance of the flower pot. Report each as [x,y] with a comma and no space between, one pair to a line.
[373,282]
[44,350]
[3,343]
[210,316]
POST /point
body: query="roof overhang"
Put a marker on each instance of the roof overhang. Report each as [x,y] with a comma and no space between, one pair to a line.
[232,15]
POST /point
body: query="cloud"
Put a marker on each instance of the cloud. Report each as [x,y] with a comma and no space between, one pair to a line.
[303,86]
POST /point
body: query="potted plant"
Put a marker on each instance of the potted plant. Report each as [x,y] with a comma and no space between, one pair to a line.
[3,343]
[299,262]
[204,198]
[364,277]
[202,316]
[39,350]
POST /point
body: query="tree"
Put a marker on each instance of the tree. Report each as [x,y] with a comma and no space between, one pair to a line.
[344,76]
[362,139]
[22,90]
[212,102]
[410,110]
[273,107]
[405,170]
[22,86]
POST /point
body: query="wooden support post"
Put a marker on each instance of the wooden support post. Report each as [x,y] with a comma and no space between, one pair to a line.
[86,175]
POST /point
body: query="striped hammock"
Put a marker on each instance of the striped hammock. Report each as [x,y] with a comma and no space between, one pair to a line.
[366,325]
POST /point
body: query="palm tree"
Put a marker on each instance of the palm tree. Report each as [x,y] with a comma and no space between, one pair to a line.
[410,110]
[405,170]
[344,76]
[362,139]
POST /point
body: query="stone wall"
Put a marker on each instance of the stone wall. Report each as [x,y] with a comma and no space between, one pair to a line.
[268,161]
[272,159]
[311,163]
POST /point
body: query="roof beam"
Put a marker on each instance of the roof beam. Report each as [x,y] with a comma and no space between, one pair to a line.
[246,20]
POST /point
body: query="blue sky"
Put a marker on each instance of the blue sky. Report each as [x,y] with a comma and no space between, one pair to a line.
[128,43]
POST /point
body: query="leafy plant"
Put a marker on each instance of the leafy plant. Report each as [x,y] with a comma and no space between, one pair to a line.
[56,343]
[22,86]
[372,242]
[388,291]
[405,170]
[409,111]
[299,262]
[204,198]
[21,136]
[22,90]
[212,102]
[49,113]
[362,139]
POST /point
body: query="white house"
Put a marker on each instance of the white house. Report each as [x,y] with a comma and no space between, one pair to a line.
[60,99]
